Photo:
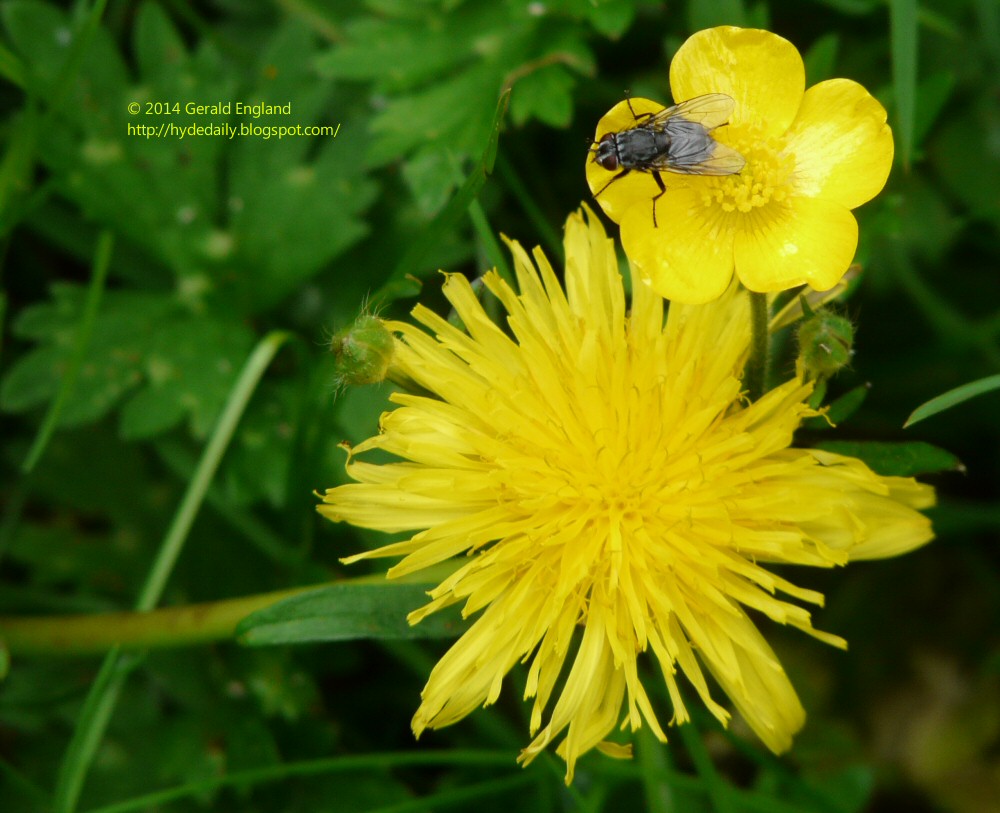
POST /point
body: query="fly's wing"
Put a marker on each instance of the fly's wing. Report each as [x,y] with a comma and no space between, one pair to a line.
[715,159]
[710,111]
[693,151]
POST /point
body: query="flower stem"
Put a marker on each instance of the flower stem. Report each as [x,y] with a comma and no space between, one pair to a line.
[755,373]
[168,627]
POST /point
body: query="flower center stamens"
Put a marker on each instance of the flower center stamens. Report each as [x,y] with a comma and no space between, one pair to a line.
[763,180]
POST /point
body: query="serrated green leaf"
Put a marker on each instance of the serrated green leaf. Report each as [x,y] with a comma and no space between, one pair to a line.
[310,190]
[258,464]
[545,94]
[216,237]
[127,324]
[430,175]
[346,612]
[398,282]
[187,363]
[953,398]
[387,50]
[906,459]
[189,370]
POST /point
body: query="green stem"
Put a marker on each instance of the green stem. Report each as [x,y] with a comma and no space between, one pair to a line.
[98,632]
[719,792]
[318,767]
[755,374]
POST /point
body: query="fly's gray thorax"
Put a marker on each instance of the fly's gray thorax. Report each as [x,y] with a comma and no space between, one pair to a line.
[639,146]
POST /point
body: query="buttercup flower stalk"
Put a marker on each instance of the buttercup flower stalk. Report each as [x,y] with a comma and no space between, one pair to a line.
[615,498]
[785,219]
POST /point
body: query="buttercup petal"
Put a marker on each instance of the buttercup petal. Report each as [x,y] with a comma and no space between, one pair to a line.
[807,240]
[843,147]
[763,72]
[688,257]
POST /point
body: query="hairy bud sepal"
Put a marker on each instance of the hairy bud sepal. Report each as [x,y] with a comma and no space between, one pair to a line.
[363,352]
[826,341]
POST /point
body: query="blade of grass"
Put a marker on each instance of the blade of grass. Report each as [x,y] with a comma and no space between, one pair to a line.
[903,25]
[103,694]
[953,398]
[277,773]
[244,387]
[177,460]
[715,786]
[654,766]
[81,342]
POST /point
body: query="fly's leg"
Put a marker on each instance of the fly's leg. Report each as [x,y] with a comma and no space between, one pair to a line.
[621,174]
[636,116]
[663,191]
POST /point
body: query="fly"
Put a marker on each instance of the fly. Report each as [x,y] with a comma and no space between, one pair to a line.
[677,139]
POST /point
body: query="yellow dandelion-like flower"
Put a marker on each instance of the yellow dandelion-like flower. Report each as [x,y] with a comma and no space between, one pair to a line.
[811,157]
[600,470]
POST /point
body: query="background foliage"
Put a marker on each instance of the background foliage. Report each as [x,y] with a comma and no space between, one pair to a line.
[139,274]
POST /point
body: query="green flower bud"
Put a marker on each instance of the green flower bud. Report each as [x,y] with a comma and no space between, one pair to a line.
[363,351]
[825,342]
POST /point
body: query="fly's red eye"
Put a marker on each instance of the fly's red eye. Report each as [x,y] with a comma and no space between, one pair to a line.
[607,155]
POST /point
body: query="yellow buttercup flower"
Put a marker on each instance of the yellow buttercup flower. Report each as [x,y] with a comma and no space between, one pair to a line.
[600,472]
[784,220]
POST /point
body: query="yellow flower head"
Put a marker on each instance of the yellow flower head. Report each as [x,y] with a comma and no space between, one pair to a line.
[600,472]
[785,219]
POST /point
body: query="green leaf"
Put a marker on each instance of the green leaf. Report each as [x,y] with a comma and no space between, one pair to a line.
[346,612]
[903,30]
[399,283]
[722,12]
[210,204]
[906,459]
[545,94]
[611,17]
[953,398]
[437,74]
[311,190]
[190,369]
[179,364]
[932,95]
[127,325]
[821,58]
